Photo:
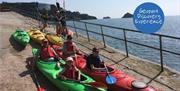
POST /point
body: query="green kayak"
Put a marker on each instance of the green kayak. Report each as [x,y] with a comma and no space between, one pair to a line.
[50,71]
[21,37]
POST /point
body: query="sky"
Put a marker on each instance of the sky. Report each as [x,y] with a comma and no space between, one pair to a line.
[112,8]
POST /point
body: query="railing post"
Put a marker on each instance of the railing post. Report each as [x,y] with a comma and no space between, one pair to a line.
[75,28]
[125,42]
[87,32]
[102,33]
[161,52]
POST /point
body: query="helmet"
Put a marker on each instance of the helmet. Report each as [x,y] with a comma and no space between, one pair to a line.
[69,59]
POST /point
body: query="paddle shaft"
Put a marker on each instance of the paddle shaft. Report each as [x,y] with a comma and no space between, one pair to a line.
[107,71]
[36,81]
[59,58]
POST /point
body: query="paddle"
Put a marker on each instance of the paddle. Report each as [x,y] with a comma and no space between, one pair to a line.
[57,5]
[39,88]
[59,58]
[109,78]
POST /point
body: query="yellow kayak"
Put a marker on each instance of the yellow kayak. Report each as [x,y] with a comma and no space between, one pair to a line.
[54,39]
[36,35]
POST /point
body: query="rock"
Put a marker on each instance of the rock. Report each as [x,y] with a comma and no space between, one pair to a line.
[30,10]
[127,15]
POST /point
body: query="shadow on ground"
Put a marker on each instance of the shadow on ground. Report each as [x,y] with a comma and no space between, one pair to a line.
[43,81]
[16,45]
[34,44]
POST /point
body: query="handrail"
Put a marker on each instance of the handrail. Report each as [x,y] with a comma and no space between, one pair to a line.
[125,29]
[160,49]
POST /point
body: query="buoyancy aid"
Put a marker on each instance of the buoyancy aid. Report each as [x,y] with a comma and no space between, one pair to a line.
[46,52]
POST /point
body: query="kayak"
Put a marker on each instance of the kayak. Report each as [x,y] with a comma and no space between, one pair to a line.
[123,81]
[36,35]
[21,37]
[50,70]
[54,39]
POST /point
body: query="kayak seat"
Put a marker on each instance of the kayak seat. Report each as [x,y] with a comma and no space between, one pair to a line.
[110,69]
[83,78]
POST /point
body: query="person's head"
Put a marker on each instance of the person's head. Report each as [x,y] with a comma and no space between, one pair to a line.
[95,51]
[57,12]
[45,43]
[69,37]
[69,61]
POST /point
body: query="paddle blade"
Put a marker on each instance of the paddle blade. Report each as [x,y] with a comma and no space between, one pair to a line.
[110,79]
[97,85]
[41,89]
[58,6]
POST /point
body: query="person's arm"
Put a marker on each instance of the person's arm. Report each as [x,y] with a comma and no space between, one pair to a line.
[79,74]
[94,68]
[101,63]
[64,47]
[101,60]
[60,74]
[76,49]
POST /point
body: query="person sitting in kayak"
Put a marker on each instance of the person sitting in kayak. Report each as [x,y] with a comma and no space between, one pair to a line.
[70,71]
[70,48]
[46,52]
[94,61]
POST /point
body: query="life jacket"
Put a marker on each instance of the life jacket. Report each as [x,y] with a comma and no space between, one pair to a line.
[70,73]
[46,52]
[69,46]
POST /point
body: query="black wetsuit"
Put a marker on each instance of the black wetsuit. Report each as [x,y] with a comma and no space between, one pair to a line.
[93,60]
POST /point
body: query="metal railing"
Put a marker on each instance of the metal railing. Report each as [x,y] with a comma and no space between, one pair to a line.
[160,36]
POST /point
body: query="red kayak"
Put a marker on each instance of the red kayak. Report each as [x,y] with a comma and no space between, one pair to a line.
[123,82]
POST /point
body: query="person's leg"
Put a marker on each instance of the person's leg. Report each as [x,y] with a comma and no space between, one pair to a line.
[57,29]
[44,26]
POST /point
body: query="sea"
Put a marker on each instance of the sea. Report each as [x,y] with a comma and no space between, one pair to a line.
[171,27]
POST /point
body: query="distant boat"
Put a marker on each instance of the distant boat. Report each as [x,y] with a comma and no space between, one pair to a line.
[107,17]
